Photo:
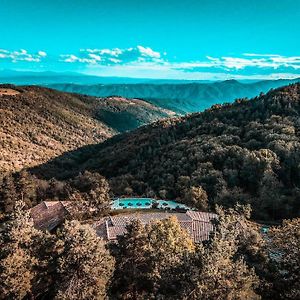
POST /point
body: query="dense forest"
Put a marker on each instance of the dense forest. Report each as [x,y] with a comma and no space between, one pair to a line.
[246,152]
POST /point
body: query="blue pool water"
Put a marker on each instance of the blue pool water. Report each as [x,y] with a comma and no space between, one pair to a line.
[144,203]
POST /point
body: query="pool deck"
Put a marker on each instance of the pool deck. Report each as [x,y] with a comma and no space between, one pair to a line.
[146,203]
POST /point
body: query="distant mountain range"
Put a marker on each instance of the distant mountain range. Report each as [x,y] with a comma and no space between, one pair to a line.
[47,77]
[181,98]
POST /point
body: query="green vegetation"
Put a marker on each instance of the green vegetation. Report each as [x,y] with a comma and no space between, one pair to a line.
[84,266]
[72,264]
[150,260]
[38,124]
[286,248]
[156,261]
[87,189]
[246,152]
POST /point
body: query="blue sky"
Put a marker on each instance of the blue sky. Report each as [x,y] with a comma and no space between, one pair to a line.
[192,39]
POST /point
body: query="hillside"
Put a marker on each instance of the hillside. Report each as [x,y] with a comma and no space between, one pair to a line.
[38,123]
[124,114]
[182,98]
[247,151]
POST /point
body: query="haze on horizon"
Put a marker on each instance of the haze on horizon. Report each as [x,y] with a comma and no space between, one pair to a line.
[203,40]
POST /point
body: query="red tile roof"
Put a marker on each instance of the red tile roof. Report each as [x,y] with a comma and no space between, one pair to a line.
[201,216]
[197,224]
[49,214]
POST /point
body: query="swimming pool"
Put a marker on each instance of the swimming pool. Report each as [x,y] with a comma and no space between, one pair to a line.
[146,203]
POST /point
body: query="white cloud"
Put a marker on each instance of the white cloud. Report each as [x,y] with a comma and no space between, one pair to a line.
[145,62]
[260,55]
[272,61]
[42,53]
[95,57]
[166,71]
[295,60]
[146,51]
[21,55]
[114,56]
[71,58]
[251,66]
[110,52]
[141,55]
[115,60]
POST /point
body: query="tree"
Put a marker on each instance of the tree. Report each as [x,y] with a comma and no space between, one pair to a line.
[170,245]
[17,274]
[8,194]
[221,273]
[95,189]
[285,246]
[131,255]
[23,258]
[197,197]
[84,266]
[149,260]
[269,195]
[128,191]
[163,193]
[26,187]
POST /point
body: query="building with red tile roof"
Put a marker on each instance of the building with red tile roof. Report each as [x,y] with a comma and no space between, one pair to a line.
[47,215]
[197,224]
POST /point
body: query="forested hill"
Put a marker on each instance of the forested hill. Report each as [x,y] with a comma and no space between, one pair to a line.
[37,124]
[182,98]
[247,152]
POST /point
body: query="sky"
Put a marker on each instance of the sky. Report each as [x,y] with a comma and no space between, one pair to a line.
[175,39]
